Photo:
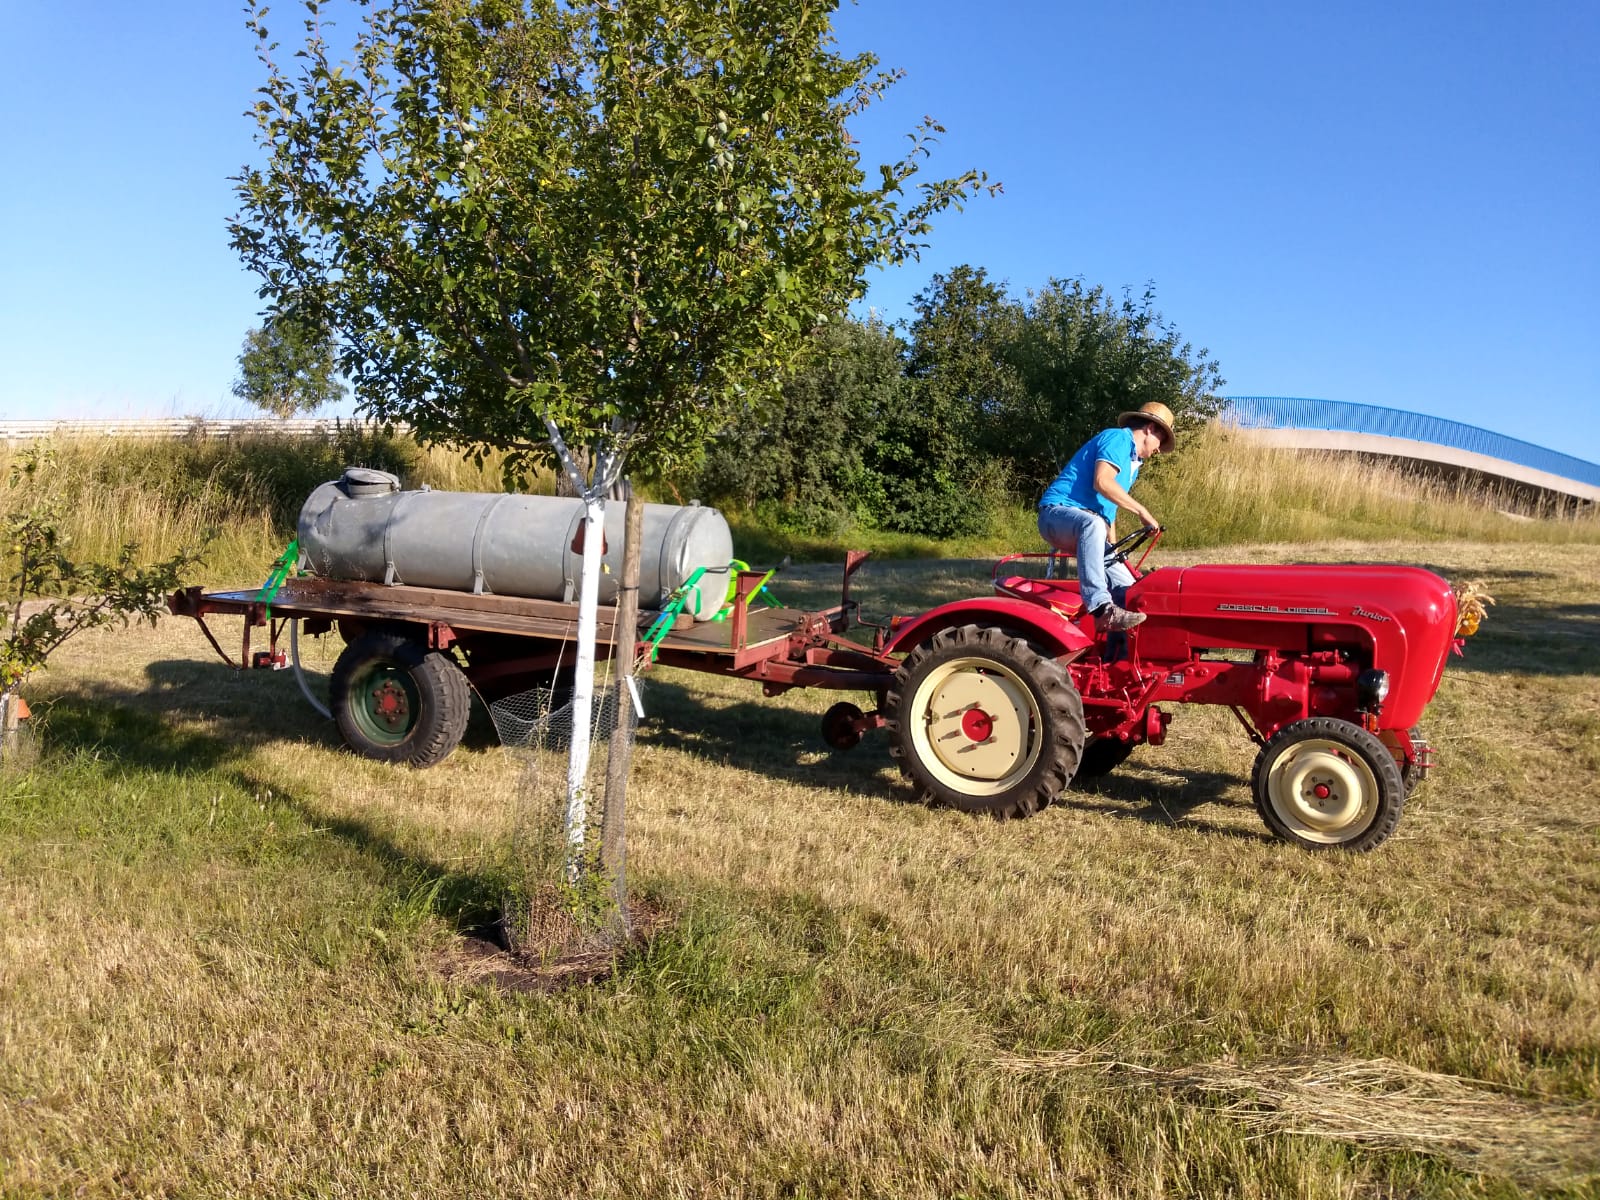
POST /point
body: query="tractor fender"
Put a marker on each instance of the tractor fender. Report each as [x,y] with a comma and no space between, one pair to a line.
[1048,627]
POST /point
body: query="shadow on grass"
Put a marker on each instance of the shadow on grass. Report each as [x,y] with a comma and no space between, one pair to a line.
[134,728]
[762,737]
[1128,794]
[1535,639]
[783,744]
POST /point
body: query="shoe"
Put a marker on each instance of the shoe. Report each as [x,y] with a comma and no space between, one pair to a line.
[1111,619]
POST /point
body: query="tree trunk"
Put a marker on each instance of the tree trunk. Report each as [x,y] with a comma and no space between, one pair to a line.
[625,643]
[583,682]
[13,713]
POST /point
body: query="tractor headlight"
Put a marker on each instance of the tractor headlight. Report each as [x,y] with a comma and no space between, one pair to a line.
[1371,688]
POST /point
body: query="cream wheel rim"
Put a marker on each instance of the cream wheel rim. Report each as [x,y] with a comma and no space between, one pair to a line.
[976,726]
[1322,791]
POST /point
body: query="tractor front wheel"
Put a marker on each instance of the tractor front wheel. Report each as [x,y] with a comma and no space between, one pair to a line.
[396,701]
[1327,784]
[982,722]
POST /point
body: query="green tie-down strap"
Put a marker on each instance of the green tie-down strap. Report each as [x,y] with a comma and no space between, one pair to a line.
[734,568]
[670,610]
[280,571]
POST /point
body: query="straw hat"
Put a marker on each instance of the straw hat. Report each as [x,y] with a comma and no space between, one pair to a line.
[1159,415]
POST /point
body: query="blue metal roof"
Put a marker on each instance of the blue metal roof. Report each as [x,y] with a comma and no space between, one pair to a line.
[1291,412]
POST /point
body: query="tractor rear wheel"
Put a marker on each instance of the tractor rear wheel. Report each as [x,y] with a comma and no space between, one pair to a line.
[396,701]
[1327,784]
[982,722]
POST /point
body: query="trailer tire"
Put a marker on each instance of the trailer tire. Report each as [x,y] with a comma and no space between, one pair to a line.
[398,702]
[1326,784]
[1102,756]
[982,722]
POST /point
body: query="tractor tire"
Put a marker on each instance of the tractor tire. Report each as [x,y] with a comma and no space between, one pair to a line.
[982,722]
[398,702]
[1326,784]
[1102,756]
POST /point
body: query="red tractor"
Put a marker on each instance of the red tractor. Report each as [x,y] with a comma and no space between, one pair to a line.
[1000,702]
[993,705]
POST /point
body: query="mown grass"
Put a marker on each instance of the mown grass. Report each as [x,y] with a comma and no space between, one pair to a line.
[223,963]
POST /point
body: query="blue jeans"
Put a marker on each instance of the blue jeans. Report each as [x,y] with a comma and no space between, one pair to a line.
[1082,533]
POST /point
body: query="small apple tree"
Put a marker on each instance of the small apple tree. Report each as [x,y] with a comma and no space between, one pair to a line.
[49,597]
[609,221]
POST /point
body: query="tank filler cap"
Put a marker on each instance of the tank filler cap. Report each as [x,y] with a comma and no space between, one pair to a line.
[364,481]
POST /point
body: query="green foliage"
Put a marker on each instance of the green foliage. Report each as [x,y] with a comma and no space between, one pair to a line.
[936,476]
[1082,357]
[994,395]
[287,367]
[620,218]
[801,458]
[81,594]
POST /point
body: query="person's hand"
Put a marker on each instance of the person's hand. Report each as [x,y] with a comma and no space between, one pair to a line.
[1147,518]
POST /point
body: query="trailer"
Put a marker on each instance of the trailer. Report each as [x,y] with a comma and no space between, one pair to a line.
[400,687]
[993,705]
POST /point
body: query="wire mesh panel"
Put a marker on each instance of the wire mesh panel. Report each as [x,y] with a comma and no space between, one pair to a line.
[566,892]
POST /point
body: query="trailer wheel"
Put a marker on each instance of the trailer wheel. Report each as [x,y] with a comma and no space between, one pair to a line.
[1102,756]
[395,701]
[1326,784]
[982,722]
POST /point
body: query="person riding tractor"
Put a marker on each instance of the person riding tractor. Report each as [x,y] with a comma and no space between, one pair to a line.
[1078,512]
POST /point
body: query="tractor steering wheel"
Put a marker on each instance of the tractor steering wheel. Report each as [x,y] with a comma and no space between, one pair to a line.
[1119,551]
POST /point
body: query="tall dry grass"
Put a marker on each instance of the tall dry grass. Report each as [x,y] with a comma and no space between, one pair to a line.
[1220,489]
[1224,488]
[240,497]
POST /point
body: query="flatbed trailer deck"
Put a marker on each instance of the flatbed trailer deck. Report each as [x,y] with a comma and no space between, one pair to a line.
[506,639]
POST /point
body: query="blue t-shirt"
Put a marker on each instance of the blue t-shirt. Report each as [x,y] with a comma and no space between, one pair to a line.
[1075,485]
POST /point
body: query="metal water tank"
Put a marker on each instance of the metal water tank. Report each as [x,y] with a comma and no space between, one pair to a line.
[364,527]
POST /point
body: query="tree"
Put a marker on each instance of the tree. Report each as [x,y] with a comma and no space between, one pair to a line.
[1082,357]
[622,218]
[288,367]
[931,454]
[615,220]
[66,596]
[805,451]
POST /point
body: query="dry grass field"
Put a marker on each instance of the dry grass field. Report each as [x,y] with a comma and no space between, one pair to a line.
[232,963]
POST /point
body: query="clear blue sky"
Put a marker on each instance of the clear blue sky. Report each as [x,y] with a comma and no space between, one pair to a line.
[1385,203]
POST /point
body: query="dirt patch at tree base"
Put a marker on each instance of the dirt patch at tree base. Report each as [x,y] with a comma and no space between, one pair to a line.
[561,955]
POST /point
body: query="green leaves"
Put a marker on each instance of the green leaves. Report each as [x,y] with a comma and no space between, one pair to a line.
[82,595]
[633,211]
[287,365]
[991,394]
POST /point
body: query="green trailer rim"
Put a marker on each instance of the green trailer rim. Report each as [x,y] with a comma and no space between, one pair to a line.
[385,703]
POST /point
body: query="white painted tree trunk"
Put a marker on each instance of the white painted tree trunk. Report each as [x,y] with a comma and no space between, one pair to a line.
[593,492]
[583,685]
[12,711]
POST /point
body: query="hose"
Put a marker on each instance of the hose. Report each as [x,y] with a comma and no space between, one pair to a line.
[300,675]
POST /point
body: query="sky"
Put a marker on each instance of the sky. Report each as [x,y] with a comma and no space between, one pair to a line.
[1383,203]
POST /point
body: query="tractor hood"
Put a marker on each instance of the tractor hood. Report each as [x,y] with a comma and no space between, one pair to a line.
[1403,617]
